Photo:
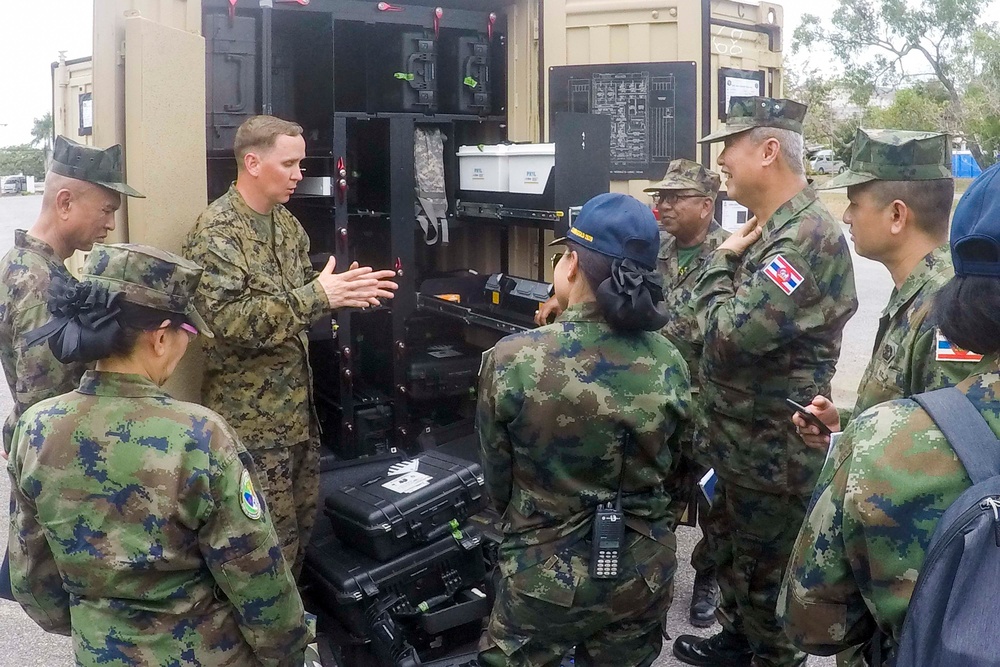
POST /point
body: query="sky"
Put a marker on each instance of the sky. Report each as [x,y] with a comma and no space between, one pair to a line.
[33,32]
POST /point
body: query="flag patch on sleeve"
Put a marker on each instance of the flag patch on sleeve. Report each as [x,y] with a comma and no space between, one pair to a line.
[945,350]
[783,274]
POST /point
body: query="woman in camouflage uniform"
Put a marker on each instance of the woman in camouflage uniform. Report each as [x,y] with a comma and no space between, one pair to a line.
[568,414]
[135,526]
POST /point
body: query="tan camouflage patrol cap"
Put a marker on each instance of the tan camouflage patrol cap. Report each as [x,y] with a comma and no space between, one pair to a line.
[688,175]
[94,165]
[148,277]
[746,113]
[895,155]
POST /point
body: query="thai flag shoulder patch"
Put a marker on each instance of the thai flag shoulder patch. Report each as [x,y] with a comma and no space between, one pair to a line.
[783,274]
[945,350]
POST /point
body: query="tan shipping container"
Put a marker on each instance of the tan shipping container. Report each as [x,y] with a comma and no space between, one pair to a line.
[149,94]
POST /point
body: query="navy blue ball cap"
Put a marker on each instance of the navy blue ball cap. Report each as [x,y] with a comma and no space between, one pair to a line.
[975,227]
[618,226]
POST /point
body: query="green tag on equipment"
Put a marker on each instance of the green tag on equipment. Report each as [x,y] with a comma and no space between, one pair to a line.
[403,76]
[470,82]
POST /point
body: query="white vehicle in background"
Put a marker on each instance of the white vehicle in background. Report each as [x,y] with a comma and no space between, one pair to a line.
[825,162]
[13,185]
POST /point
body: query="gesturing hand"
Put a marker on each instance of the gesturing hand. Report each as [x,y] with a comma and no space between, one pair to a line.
[358,287]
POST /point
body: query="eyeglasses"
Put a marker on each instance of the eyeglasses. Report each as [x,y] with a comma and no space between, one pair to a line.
[671,198]
[555,259]
[189,329]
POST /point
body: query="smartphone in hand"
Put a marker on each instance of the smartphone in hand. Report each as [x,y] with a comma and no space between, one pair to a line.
[809,417]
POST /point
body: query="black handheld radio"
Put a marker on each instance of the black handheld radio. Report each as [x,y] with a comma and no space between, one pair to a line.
[608,533]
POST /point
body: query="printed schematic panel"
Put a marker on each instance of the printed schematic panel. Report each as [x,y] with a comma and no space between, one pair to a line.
[651,105]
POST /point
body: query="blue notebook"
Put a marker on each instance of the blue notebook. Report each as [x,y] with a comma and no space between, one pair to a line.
[707,484]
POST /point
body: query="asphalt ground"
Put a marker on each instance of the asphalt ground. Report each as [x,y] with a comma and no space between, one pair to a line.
[23,644]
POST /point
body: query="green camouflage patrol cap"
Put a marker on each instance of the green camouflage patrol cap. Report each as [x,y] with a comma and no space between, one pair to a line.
[895,155]
[688,175]
[86,163]
[148,277]
[746,113]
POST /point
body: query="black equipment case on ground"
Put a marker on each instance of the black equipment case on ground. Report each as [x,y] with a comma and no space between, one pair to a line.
[404,505]
[439,586]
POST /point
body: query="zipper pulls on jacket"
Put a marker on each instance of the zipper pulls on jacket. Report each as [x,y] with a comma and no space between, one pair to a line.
[993,504]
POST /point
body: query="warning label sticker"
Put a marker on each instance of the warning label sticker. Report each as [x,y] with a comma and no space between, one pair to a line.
[408,483]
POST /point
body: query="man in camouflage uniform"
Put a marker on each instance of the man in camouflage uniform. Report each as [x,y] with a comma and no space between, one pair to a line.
[557,406]
[901,193]
[260,295]
[82,192]
[892,474]
[772,302]
[135,526]
[685,201]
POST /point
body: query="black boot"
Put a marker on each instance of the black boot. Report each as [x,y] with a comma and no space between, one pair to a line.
[723,650]
[704,600]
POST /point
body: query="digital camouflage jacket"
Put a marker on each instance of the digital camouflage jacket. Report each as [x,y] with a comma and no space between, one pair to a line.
[904,359]
[33,374]
[259,296]
[554,404]
[136,527]
[773,322]
[682,330]
[877,504]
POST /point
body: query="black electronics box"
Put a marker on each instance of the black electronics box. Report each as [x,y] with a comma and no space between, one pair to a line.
[510,295]
[443,369]
[439,586]
[464,77]
[402,73]
[390,510]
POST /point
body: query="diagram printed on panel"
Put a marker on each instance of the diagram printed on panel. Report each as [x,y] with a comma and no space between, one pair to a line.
[647,127]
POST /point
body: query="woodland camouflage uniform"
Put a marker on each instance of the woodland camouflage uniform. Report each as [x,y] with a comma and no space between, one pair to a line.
[259,295]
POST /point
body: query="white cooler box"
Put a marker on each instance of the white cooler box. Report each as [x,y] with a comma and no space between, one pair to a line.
[529,166]
[483,167]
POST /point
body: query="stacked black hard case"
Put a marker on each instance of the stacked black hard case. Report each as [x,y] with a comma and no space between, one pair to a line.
[393,555]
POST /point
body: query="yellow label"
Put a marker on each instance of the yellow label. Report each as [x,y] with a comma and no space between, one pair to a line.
[583,235]
[496,298]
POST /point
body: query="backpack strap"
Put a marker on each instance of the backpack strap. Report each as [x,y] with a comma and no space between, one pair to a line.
[966,431]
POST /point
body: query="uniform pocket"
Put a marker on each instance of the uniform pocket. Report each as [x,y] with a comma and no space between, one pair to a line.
[655,563]
[553,581]
[522,502]
[730,401]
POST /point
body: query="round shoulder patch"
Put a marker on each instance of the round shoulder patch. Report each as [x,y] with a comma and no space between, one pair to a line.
[249,502]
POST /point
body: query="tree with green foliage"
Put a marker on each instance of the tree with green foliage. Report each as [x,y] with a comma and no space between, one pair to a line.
[823,125]
[41,132]
[982,98]
[877,40]
[924,107]
[22,159]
